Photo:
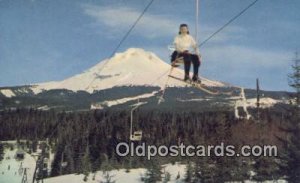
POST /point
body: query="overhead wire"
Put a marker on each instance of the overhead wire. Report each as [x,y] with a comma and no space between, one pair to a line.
[114,51]
[229,22]
[123,39]
[218,31]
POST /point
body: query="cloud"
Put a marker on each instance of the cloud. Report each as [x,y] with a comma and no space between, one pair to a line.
[118,19]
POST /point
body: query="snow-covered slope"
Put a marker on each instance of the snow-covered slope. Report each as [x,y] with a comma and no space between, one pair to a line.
[7,92]
[265,102]
[132,67]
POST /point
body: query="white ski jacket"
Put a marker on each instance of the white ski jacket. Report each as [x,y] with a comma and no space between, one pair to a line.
[185,42]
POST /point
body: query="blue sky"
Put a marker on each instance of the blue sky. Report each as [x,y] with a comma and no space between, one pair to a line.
[45,40]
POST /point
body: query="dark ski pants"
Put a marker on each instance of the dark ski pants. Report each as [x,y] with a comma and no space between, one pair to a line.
[188,58]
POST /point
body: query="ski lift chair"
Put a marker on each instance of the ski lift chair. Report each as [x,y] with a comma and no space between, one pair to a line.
[136,136]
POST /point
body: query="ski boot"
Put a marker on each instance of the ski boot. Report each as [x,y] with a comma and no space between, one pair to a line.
[196,79]
[187,78]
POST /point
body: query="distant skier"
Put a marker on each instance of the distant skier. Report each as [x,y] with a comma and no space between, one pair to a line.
[183,43]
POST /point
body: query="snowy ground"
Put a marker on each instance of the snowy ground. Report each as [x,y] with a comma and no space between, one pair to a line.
[134,176]
[111,103]
[15,173]
[120,176]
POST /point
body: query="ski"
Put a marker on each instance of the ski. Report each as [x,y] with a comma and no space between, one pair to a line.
[198,86]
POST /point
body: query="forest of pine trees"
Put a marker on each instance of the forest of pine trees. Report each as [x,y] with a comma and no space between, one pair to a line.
[86,141]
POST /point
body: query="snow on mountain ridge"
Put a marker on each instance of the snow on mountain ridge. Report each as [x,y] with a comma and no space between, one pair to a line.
[8,93]
[134,67]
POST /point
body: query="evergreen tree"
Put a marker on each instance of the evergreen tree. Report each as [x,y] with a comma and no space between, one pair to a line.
[265,169]
[56,168]
[167,177]
[105,164]
[107,177]
[106,167]
[153,173]
[204,170]
[86,163]
[68,159]
[1,151]
[290,161]
[294,80]
[240,169]
[189,172]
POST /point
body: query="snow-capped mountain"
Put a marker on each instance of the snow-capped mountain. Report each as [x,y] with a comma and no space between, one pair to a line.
[133,67]
[125,78]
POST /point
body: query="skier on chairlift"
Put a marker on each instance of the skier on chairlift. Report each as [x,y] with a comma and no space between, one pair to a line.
[183,42]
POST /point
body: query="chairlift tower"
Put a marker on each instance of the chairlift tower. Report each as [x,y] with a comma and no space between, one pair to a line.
[24,178]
